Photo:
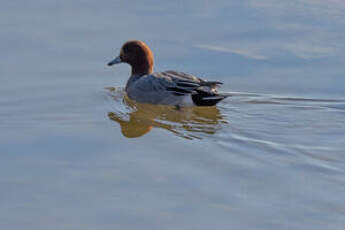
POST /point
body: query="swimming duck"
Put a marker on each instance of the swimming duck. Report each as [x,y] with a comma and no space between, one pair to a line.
[164,88]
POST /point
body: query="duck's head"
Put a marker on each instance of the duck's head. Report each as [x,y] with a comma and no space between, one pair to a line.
[138,55]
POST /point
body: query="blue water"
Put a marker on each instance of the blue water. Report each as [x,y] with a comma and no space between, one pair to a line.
[75,154]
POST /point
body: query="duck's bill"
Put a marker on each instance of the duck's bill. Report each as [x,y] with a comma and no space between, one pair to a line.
[115,61]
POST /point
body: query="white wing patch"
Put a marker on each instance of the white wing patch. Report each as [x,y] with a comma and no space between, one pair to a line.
[187,100]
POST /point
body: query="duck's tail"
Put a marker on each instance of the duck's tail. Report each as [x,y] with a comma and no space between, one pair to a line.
[207,98]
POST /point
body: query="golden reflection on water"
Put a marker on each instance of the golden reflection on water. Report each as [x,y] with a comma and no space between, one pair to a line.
[186,122]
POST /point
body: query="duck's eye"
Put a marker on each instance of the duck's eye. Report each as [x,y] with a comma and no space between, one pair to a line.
[127,49]
[123,54]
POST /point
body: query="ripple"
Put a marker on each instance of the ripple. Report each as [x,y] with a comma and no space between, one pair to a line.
[138,119]
[282,131]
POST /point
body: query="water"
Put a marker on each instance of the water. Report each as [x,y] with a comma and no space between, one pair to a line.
[75,154]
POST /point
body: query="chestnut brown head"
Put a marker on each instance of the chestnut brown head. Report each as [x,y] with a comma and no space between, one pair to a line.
[138,55]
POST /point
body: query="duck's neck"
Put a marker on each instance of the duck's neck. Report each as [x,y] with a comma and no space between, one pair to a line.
[142,69]
[132,79]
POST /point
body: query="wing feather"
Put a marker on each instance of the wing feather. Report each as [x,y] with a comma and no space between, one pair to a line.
[177,83]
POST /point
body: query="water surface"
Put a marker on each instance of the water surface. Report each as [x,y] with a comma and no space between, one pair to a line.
[75,154]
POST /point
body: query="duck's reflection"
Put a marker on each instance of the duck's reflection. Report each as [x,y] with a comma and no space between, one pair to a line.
[186,122]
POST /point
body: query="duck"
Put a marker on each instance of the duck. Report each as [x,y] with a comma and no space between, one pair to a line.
[163,88]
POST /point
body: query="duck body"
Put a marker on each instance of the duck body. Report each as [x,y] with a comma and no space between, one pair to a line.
[172,88]
[164,88]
